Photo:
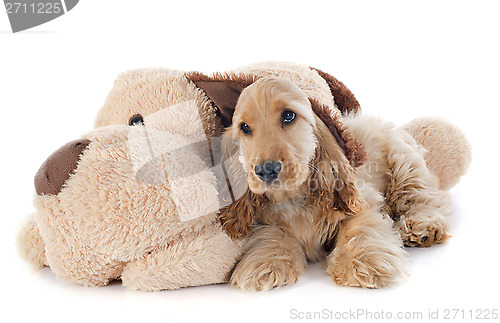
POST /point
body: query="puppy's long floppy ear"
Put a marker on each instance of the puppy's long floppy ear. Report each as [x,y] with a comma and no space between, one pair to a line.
[354,151]
[223,90]
[237,218]
[343,97]
[334,174]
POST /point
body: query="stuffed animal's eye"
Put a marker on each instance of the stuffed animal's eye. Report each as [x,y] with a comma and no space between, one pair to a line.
[288,116]
[245,128]
[136,120]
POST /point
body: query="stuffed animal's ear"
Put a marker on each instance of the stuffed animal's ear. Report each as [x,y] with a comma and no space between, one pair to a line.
[223,90]
[353,149]
[343,97]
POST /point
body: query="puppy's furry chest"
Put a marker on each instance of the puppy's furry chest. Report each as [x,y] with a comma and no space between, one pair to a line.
[306,223]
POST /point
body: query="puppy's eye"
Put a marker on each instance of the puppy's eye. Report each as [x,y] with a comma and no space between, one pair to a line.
[245,128]
[136,120]
[288,116]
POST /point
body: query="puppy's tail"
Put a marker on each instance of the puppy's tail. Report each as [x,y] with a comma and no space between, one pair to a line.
[448,153]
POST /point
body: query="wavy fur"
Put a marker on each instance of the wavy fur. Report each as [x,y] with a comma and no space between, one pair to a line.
[320,215]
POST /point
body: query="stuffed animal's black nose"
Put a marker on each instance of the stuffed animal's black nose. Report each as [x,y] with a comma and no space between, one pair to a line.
[268,171]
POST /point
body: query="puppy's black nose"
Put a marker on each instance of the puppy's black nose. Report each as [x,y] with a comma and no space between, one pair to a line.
[268,171]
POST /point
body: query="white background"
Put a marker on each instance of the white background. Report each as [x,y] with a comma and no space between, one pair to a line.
[401,60]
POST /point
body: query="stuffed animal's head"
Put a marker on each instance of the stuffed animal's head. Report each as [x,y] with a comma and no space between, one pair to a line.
[162,99]
[124,190]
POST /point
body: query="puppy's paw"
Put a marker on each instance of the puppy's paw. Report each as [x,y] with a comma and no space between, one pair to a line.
[264,274]
[368,265]
[422,229]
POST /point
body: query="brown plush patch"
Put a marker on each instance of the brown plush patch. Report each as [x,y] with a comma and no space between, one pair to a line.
[223,90]
[353,149]
[345,100]
[58,168]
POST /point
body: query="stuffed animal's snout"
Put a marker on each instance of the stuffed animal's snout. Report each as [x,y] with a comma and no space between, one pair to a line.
[58,168]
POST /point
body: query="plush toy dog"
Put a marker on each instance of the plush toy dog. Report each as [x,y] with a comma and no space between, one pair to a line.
[110,206]
[144,216]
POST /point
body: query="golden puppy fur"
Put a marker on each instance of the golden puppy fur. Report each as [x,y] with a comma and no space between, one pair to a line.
[314,210]
[396,168]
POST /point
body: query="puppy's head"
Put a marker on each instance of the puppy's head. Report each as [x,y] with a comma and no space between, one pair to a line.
[274,124]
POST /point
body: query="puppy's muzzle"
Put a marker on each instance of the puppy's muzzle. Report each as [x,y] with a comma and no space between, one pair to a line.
[268,171]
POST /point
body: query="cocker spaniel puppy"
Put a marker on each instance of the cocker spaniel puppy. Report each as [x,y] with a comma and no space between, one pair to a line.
[305,198]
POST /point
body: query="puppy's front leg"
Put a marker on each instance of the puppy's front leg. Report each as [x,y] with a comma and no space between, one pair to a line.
[272,259]
[368,252]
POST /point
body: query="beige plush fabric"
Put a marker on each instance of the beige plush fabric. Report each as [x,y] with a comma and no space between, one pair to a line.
[115,218]
[150,91]
[30,243]
[108,222]
[448,152]
[303,76]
